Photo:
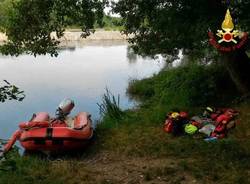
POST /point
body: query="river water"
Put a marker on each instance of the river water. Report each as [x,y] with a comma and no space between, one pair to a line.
[81,72]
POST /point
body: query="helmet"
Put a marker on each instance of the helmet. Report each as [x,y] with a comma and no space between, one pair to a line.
[190,129]
[183,114]
[174,115]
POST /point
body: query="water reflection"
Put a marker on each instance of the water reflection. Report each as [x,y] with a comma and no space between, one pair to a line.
[81,73]
[132,57]
[81,44]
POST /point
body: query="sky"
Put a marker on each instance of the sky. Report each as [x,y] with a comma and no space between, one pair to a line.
[108,9]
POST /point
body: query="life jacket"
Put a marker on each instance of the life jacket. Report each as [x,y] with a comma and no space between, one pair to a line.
[222,118]
[168,126]
[220,130]
[214,115]
[175,121]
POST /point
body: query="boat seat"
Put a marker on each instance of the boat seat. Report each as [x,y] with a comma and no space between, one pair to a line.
[78,122]
[81,120]
[70,122]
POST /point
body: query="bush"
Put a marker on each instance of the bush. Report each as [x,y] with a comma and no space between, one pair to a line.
[185,86]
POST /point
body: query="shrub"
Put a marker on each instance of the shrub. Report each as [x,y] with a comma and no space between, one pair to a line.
[185,86]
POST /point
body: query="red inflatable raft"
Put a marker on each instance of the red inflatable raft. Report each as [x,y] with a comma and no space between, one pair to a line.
[45,134]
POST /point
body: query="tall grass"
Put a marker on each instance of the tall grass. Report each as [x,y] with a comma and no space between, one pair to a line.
[186,86]
[110,106]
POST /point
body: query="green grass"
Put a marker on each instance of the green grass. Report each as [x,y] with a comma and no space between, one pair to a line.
[110,106]
[187,88]
[109,23]
[29,170]
[138,133]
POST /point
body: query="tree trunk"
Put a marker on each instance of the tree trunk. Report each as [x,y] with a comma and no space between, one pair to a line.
[238,65]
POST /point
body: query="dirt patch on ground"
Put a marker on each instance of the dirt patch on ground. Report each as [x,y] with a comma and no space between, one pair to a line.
[111,168]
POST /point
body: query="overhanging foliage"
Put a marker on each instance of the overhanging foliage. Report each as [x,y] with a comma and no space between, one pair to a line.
[10,92]
[30,23]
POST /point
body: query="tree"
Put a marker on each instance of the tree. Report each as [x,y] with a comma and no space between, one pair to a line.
[10,92]
[5,5]
[159,27]
[165,26]
[30,23]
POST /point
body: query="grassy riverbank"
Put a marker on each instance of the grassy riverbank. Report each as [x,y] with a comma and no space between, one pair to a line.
[134,149]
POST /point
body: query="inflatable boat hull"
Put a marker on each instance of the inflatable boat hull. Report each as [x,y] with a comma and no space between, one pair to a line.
[40,135]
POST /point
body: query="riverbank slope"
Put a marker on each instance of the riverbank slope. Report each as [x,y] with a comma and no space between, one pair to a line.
[134,149]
